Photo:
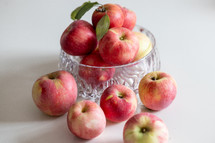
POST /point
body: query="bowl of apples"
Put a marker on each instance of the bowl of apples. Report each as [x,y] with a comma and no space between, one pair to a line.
[111,50]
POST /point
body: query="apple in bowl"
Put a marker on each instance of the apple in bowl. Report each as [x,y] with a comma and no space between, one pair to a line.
[119,46]
[130,18]
[114,12]
[86,119]
[94,70]
[145,128]
[145,45]
[157,90]
[118,103]
[55,92]
[79,38]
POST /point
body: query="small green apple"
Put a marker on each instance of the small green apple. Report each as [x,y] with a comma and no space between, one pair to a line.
[145,45]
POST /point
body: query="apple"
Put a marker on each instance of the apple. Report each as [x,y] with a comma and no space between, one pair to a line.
[130,18]
[86,119]
[113,11]
[157,90]
[55,92]
[145,45]
[119,46]
[79,38]
[97,70]
[118,103]
[145,128]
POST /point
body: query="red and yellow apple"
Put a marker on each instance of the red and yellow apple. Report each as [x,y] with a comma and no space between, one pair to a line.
[113,11]
[86,119]
[157,90]
[97,70]
[145,45]
[119,46]
[130,18]
[118,103]
[55,92]
[145,128]
[79,38]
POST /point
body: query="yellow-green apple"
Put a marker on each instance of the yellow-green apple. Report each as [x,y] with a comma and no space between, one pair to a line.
[113,11]
[145,128]
[145,45]
[55,92]
[157,90]
[79,38]
[86,119]
[118,103]
[130,18]
[119,46]
[96,71]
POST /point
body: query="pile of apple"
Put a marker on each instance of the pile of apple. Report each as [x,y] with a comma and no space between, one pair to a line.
[107,42]
[56,93]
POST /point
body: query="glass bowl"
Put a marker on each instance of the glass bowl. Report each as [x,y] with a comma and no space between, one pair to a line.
[128,75]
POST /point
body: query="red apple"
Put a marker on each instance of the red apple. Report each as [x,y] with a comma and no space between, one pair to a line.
[157,90]
[113,11]
[79,38]
[118,46]
[130,18]
[55,92]
[145,128]
[145,45]
[118,103]
[86,119]
[97,72]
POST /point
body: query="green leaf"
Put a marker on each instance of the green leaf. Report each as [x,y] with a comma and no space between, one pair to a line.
[81,10]
[102,26]
[74,13]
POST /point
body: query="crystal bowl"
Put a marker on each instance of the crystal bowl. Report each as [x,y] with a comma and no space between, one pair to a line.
[128,74]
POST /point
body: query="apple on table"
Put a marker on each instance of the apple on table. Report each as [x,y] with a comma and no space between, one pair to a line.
[86,119]
[118,103]
[157,90]
[55,92]
[145,128]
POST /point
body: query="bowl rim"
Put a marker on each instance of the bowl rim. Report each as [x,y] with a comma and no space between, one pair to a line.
[142,30]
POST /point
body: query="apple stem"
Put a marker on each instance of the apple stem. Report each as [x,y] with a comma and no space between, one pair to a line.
[153,78]
[144,130]
[122,37]
[84,110]
[120,95]
[50,76]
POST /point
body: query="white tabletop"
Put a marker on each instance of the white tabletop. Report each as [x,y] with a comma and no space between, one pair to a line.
[29,47]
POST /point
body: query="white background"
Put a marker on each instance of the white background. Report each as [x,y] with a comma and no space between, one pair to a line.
[29,47]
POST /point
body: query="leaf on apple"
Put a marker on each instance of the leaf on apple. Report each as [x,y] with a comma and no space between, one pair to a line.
[74,13]
[81,10]
[102,26]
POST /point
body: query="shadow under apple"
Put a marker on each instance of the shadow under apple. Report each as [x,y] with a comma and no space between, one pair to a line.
[57,131]
[142,108]
[16,104]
